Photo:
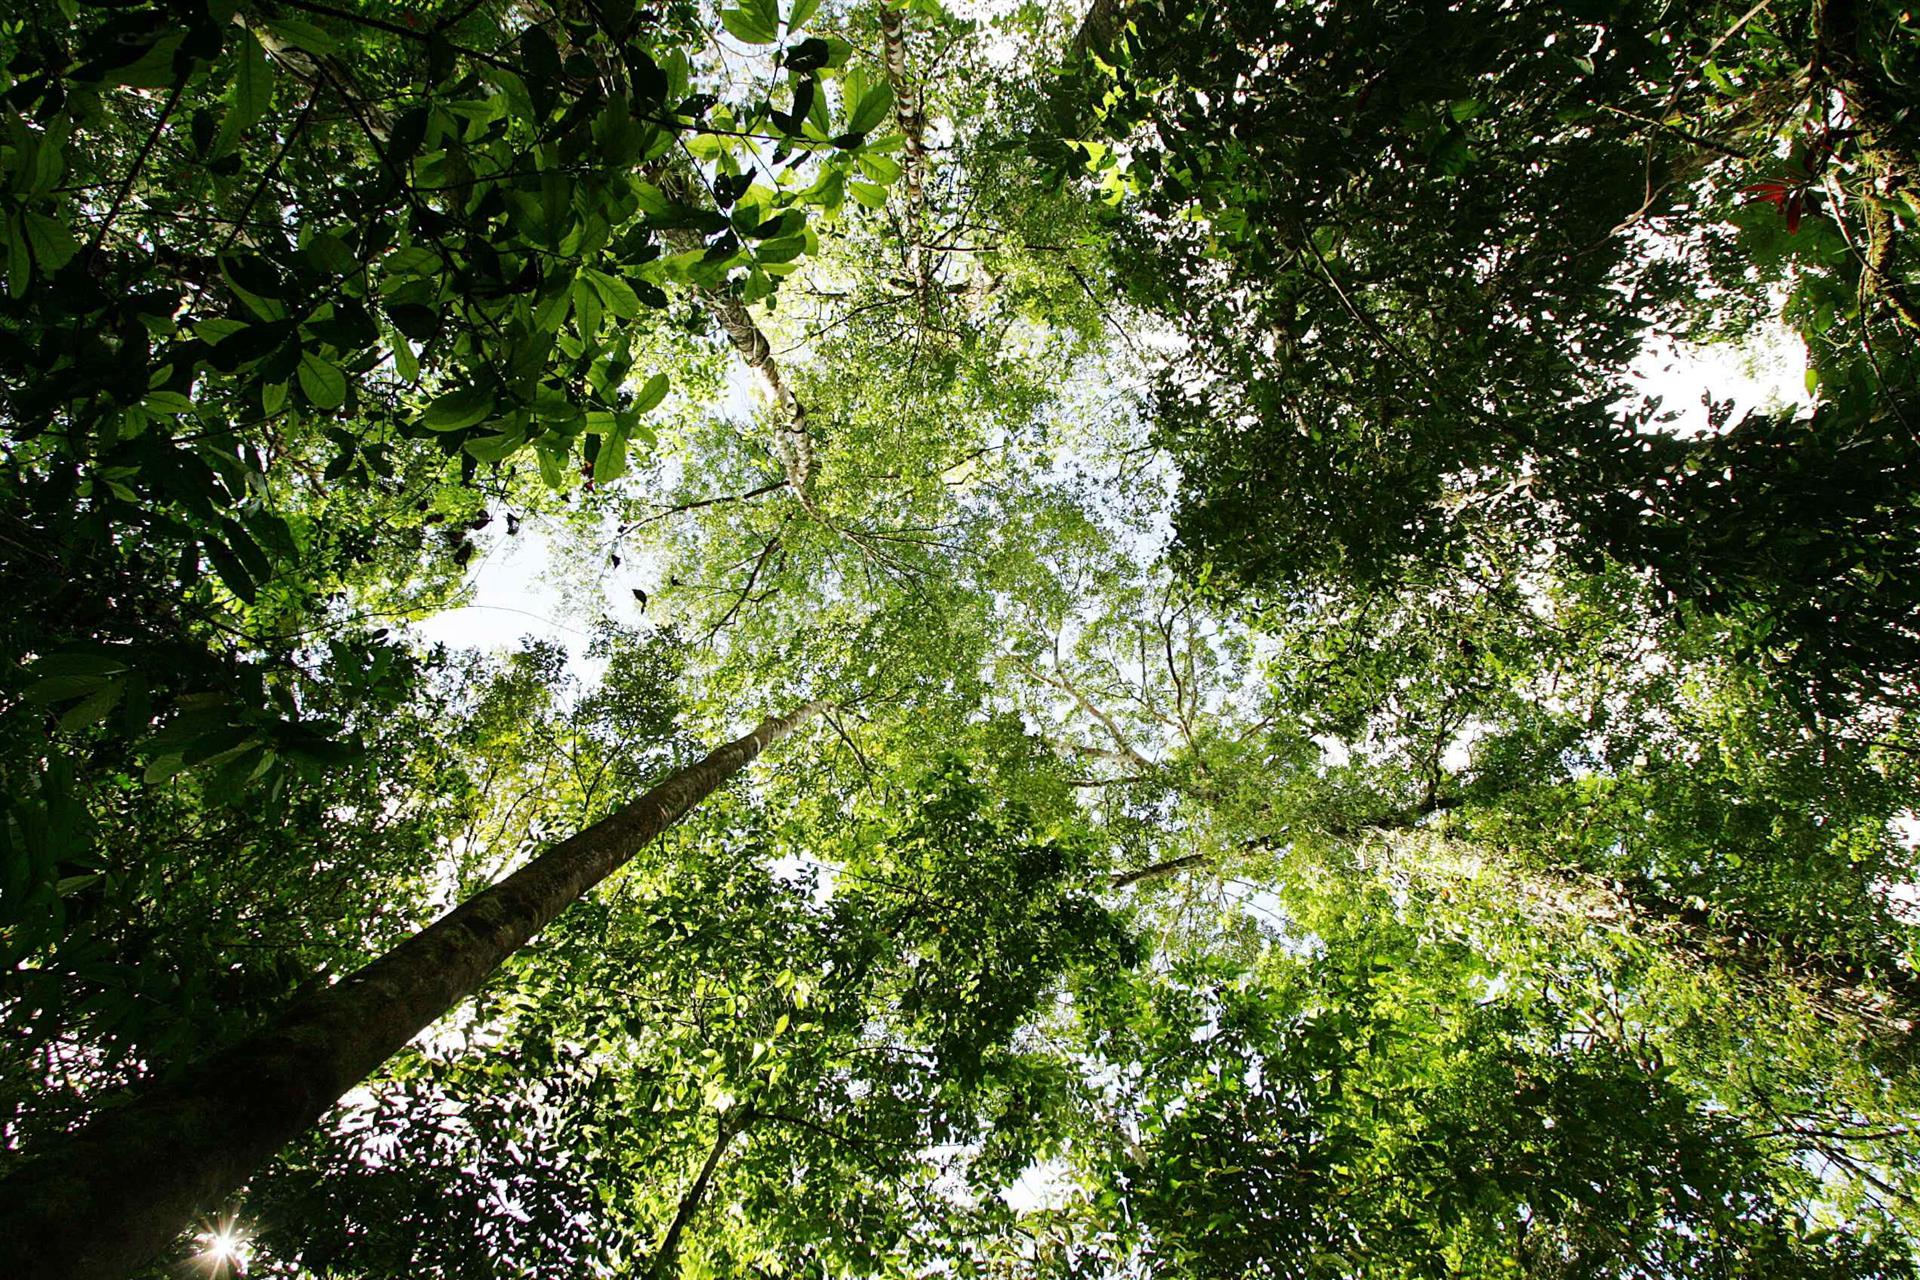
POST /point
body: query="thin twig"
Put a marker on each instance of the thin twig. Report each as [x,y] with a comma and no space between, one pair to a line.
[139,163]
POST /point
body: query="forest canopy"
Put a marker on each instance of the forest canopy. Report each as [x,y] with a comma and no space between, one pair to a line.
[1155,672]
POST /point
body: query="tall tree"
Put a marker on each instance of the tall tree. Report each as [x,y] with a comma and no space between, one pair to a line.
[1503,792]
[116,1193]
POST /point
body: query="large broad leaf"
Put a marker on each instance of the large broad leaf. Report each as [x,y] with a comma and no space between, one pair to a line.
[231,571]
[249,97]
[652,394]
[53,245]
[611,462]
[616,293]
[865,115]
[323,381]
[460,409]
[494,449]
[749,24]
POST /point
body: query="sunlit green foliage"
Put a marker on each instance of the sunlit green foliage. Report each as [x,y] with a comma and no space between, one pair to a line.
[1317,777]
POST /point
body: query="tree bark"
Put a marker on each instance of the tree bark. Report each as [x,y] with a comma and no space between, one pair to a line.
[1158,870]
[690,1202]
[1886,127]
[121,1190]
[793,439]
[910,111]
[1097,29]
[1887,135]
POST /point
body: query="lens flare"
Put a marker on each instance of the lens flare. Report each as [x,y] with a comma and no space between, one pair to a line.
[223,1249]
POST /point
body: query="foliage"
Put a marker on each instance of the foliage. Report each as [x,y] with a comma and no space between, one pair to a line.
[1416,251]
[1319,776]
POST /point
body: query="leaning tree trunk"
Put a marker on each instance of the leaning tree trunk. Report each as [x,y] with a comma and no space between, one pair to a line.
[120,1191]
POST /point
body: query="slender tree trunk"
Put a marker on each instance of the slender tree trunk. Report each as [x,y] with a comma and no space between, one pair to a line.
[793,440]
[690,1202]
[1172,866]
[909,110]
[120,1191]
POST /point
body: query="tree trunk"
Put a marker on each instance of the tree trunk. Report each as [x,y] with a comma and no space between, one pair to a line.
[120,1191]
[729,1129]
[1886,126]
[1097,29]
[909,110]
[793,439]
[1172,866]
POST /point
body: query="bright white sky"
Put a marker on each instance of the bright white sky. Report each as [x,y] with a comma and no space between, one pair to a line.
[509,594]
[1768,371]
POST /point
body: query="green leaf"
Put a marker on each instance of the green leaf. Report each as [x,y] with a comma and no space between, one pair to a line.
[551,404]
[415,260]
[53,245]
[163,767]
[167,402]
[829,191]
[552,308]
[49,162]
[19,259]
[867,114]
[257,284]
[765,13]
[231,571]
[330,252]
[58,688]
[616,293]
[651,394]
[221,744]
[611,462]
[323,381]
[80,664]
[802,10]
[93,710]
[588,311]
[494,449]
[249,96]
[748,28]
[867,194]
[405,363]
[298,31]
[460,409]
[244,546]
[791,247]
[878,167]
[552,462]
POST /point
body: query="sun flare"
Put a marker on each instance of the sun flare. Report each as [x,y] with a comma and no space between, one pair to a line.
[223,1249]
